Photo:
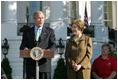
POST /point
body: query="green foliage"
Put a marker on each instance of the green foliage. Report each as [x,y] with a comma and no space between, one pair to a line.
[113,54]
[6,67]
[60,71]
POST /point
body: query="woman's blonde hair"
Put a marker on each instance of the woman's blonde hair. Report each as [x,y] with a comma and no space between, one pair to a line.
[79,23]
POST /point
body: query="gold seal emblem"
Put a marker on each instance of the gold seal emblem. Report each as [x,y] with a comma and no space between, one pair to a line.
[36,53]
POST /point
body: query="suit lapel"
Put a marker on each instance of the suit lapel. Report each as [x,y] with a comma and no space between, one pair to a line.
[43,34]
[32,34]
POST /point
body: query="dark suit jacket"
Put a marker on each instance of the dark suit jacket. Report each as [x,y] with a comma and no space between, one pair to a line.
[46,41]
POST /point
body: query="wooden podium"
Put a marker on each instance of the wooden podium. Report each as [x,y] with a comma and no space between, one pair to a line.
[47,54]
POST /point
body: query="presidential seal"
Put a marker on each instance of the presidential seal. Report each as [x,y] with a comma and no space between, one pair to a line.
[36,53]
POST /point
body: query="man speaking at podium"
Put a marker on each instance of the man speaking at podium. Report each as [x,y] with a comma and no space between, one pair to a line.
[40,36]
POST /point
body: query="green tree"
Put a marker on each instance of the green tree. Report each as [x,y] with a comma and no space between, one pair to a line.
[113,54]
[60,71]
[6,67]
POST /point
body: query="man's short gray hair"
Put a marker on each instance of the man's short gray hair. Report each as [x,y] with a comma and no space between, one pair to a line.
[107,45]
[37,12]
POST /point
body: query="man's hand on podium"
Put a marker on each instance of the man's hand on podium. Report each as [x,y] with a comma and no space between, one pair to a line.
[48,49]
[26,48]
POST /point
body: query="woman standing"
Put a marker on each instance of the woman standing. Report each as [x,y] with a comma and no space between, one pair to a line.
[78,52]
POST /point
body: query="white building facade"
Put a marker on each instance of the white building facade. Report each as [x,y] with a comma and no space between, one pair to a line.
[58,14]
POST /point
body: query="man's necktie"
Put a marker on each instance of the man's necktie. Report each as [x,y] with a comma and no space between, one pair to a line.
[38,34]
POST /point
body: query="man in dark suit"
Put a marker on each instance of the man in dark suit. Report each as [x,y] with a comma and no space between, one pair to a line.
[46,41]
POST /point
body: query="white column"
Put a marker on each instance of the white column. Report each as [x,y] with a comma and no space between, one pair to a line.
[114,13]
[96,13]
[21,12]
[9,31]
[100,31]
[9,24]
[81,10]
[56,8]
[57,21]
[10,11]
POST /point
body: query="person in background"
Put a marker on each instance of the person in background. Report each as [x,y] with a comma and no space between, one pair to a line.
[3,75]
[113,52]
[105,66]
[43,37]
[78,52]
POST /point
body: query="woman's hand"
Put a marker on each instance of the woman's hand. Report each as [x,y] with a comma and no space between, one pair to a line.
[76,67]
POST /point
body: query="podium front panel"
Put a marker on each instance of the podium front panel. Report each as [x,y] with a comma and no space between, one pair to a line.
[47,54]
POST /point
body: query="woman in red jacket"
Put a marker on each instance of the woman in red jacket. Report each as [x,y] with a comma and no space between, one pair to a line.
[105,66]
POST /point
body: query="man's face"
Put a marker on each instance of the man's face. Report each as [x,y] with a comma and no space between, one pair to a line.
[39,20]
[112,47]
[105,50]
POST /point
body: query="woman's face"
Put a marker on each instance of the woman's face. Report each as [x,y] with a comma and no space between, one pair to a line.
[105,50]
[75,29]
